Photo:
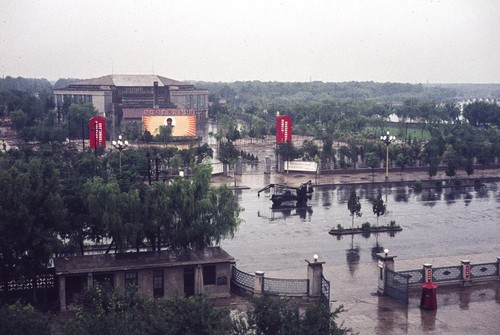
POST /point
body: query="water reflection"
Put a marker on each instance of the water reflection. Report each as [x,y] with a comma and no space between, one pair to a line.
[352,257]
[283,213]
[401,195]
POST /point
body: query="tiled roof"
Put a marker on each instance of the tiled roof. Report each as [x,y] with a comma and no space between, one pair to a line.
[138,260]
[140,80]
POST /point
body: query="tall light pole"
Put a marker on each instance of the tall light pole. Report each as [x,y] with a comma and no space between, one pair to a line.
[387,140]
[120,145]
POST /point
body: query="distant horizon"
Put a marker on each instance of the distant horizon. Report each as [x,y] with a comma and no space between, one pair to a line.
[52,81]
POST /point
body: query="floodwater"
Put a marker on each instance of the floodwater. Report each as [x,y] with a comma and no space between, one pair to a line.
[447,222]
[439,227]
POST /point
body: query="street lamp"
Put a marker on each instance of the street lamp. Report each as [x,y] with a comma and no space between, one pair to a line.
[120,145]
[387,140]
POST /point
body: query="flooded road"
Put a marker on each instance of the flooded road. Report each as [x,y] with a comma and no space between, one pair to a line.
[436,225]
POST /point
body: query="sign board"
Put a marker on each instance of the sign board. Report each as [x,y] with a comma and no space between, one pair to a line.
[301,166]
[97,132]
[429,275]
[283,129]
[182,121]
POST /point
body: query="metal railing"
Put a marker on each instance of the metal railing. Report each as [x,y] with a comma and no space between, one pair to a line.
[484,270]
[275,286]
[448,273]
[415,276]
[289,287]
[325,292]
[396,285]
[453,273]
[243,279]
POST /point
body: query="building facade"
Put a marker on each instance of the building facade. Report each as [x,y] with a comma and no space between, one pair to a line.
[152,274]
[123,98]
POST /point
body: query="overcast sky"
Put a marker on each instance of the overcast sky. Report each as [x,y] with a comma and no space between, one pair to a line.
[455,41]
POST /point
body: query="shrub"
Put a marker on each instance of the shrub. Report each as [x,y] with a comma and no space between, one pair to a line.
[418,186]
[392,223]
[23,319]
[366,226]
[339,227]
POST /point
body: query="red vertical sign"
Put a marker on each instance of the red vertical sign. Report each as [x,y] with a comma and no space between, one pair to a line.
[283,128]
[429,275]
[467,271]
[97,132]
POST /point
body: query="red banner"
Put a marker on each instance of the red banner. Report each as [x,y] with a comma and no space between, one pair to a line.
[97,132]
[283,129]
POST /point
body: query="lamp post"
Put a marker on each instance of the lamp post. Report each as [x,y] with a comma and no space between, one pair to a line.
[387,140]
[120,145]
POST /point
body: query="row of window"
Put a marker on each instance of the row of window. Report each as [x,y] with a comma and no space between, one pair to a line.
[132,279]
[73,98]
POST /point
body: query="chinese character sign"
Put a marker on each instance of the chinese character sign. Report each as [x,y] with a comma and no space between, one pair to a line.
[97,132]
[283,129]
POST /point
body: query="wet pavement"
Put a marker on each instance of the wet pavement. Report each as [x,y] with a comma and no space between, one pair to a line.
[439,227]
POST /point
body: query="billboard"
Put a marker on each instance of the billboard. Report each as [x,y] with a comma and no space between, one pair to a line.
[182,121]
[97,132]
[283,128]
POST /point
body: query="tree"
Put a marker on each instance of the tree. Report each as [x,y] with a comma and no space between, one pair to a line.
[310,150]
[402,160]
[109,312]
[354,206]
[228,153]
[372,161]
[19,120]
[23,319]
[77,120]
[287,151]
[273,316]
[200,215]
[452,159]
[164,134]
[31,217]
[430,155]
[102,201]
[378,206]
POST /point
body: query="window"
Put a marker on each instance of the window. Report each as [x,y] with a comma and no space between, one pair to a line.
[158,283]
[131,279]
[209,275]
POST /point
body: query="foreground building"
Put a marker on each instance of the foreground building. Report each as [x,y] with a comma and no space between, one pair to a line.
[127,98]
[153,274]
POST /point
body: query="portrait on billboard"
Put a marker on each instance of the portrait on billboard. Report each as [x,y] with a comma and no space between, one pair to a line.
[183,122]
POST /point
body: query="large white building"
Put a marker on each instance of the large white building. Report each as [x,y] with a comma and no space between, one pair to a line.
[123,98]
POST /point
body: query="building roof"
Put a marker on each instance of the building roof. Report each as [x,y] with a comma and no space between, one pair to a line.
[123,80]
[138,260]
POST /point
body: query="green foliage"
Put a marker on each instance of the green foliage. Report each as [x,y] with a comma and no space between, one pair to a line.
[379,206]
[273,316]
[354,206]
[32,214]
[23,320]
[393,223]
[228,154]
[287,151]
[418,186]
[76,119]
[201,215]
[366,226]
[108,312]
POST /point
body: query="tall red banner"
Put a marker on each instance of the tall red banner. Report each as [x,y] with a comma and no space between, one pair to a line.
[283,128]
[97,132]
